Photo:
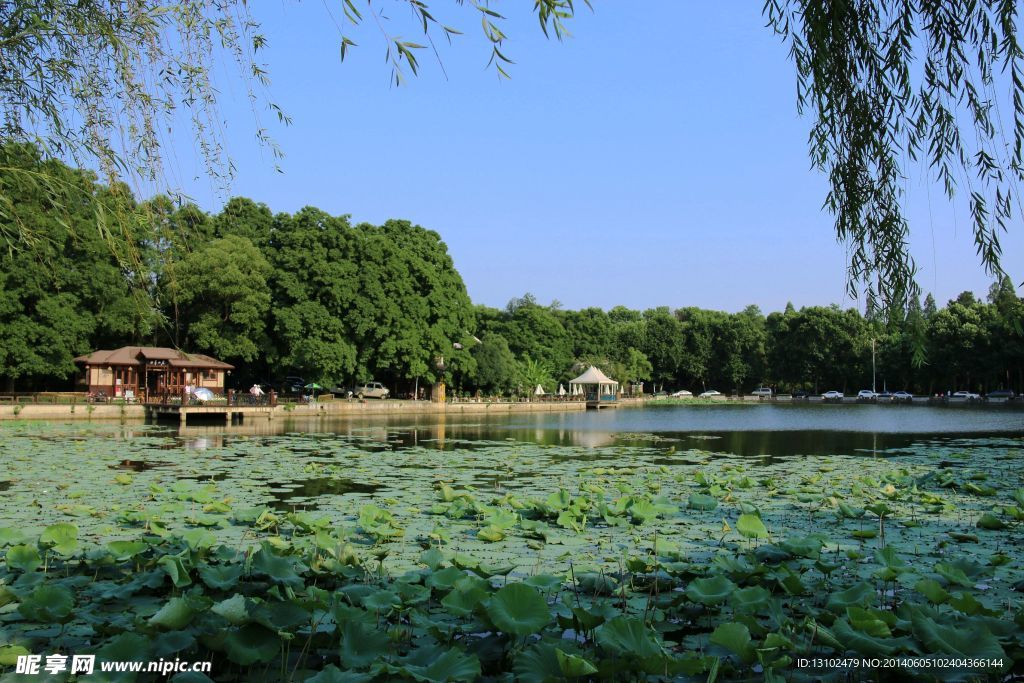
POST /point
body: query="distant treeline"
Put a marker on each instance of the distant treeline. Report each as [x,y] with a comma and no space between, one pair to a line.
[314,295]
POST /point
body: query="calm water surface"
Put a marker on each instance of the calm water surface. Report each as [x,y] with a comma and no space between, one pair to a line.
[740,429]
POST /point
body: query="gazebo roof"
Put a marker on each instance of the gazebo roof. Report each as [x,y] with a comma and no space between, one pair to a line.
[593,376]
[137,355]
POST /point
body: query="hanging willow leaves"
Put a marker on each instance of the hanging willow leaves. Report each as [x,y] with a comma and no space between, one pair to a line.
[891,83]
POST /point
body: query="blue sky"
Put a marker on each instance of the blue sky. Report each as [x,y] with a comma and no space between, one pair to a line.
[653,158]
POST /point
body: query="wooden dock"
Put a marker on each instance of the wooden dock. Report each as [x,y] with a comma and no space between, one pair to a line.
[230,414]
[600,405]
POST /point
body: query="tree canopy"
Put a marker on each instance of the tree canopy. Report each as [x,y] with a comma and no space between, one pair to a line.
[887,82]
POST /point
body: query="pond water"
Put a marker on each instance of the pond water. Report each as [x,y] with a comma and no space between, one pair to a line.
[822,512]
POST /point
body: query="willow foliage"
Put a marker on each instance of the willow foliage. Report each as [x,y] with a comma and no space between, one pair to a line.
[894,82]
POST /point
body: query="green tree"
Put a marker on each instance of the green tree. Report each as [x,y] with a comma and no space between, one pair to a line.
[496,367]
[223,288]
[69,291]
[314,287]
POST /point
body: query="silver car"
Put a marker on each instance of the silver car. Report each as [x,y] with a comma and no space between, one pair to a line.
[371,390]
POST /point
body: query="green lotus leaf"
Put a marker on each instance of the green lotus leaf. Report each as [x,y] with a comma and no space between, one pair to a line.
[953,574]
[125,550]
[518,609]
[491,534]
[865,644]
[220,577]
[413,593]
[362,644]
[559,500]
[545,582]
[710,591]
[197,539]
[865,534]
[466,594]
[176,570]
[868,621]
[850,512]
[433,558]
[332,674]
[808,546]
[175,615]
[1018,496]
[251,644]
[382,600]
[235,609]
[751,526]
[751,599]
[701,501]
[48,604]
[961,537]
[735,638]
[573,666]
[970,640]
[445,578]
[858,594]
[171,642]
[452,665]
[9,536]
[630,638]
[9,654]
[62,538]
[280,569]
[931,589]
[126,647]
[990,522]
[982,490]
[23,557]
[538,664]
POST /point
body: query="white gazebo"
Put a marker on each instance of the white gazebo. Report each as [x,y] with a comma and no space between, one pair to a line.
[598,389]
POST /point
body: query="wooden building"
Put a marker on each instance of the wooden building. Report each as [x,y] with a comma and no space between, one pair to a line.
[143,372]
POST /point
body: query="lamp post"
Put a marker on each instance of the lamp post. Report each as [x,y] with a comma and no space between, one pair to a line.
[873,387]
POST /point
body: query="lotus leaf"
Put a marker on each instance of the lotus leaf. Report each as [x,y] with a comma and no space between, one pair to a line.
[361,644]
[629,637]
[858,594]
[710,591]
[62,538]
[23,557]
[48,604]
[518,609]
[735,638]
[574,666]
[751,526]
[251,644]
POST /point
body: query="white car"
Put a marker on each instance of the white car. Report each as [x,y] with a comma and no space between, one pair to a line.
[903,396]
[830,395]
[762,391]
[682,393]
[969,395]
[710,393]
[867,394]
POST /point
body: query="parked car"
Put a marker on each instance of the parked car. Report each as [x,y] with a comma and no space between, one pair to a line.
[832,395]
[969,395]
[371,390]
[903,396]
[682,393]
[762,391]
[883,397]
[800,393]
[710,393]
[866,395]
[1000,393]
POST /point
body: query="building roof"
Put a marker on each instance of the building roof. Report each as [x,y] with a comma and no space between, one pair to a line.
[593,376]
[139,355]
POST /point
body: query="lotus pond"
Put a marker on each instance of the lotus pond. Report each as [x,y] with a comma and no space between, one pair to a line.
[540,550]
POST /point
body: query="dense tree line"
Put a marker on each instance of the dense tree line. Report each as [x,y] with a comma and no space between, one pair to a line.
[314,295]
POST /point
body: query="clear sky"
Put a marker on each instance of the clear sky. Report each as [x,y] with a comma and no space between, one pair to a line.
[653,158]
